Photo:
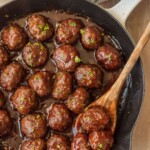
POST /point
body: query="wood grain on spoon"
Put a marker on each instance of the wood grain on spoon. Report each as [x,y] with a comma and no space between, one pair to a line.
[110,99]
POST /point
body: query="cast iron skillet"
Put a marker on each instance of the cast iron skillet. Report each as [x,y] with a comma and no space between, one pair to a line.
[128,114]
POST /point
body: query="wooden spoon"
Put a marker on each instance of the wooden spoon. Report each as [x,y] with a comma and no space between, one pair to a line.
[110,99]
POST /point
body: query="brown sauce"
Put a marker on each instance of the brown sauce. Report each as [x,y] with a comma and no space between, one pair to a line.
[14,140]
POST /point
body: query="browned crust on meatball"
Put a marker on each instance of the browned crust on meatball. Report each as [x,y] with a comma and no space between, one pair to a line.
[80,142]
[94,119]
[62,86]
[41,83]
[39,27]
[109,57]
[78,100]
[101,140]
[59,117]
[91,37]
[12,75]
[6,123]
[34,126]
[24,100]
[14,37]
[35,54]
[68,31]
[66,58]
[4,58]
[57,142]
[89,76]
[38,144]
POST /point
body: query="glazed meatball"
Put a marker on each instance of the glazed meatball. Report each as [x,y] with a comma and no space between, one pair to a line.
[102,140]
[66,58]
[12,75]
[5,122]
[41,83]
[14,37]
[68,31]
[94,119]
[2,99]
[39,27]
[91,38]
[35,54]
[38,144]
[62,86]
[24,100]
[80,142]
[59,117]
[58,142]
[34,126]
[78,100]
[3,57]
[89,76]
[109,57]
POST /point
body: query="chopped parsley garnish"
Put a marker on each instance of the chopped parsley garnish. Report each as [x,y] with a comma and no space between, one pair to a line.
[109,57]
[82,31]
[44,28]
[36,77]
[90,73]
[22,99]
[73,24]
[39,45]
[92,41]
[77,59]
[100,146]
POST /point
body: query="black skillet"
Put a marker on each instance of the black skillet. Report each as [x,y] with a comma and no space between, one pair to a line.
[128,114]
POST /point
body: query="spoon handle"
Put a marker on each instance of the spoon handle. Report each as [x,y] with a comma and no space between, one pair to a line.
[131,61]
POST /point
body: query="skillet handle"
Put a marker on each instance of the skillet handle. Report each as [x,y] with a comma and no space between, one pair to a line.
[122,10]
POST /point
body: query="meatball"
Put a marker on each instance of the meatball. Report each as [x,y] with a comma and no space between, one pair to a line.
[66,58]
[94,119]
[109,57]
[24,100]
[41,83]
[12,75]
[91,38]
[102,140]
[5,122]
[68,31]
[35,54]
[62,86]
[89,76]
[38,144]
[78,100]
[59,117]
[80,142]
[39,27]
[58,142]
[34,126]
[2,99]
[14,37]
[3,57]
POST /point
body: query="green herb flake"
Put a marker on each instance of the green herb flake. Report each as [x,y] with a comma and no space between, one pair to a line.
[109,57]
[90,73]
[92,41]
[38,116]
[21,107]
[44,32]
[41,27]
[100,146]
[29,44]
[73,24]
[77,59]
[22,99]
[82,31]
[36,77]
[46,27]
